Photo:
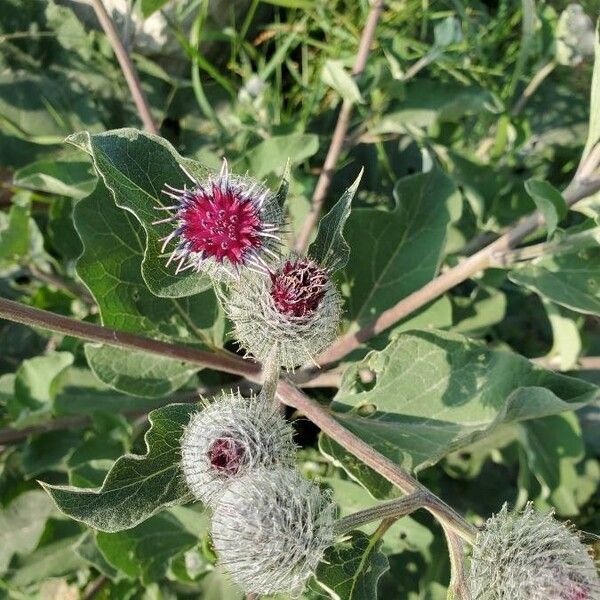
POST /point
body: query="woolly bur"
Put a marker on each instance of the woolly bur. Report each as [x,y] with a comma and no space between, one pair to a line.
[531,556]
[222,225]
[230,437]
[270,530]
[294,310]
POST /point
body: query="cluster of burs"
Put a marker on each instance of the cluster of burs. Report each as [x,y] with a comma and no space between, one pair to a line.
[270,525]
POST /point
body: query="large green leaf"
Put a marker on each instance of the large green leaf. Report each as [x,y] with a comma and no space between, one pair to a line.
[111,268]
[352,568]
[22,523]
[136,487]
[135,166]
[395,253]
[435,392]
[571,280]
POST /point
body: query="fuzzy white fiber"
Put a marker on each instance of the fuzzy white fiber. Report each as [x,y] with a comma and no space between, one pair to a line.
[270,530]
[253,424]
[259,327]
[531,556]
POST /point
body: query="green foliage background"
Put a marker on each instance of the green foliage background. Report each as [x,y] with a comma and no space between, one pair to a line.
[448,154]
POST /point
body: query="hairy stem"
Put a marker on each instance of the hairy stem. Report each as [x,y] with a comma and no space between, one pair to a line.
[458,581]
[34,317]
[479,261]
[127,66]
[339,134]
[392,509]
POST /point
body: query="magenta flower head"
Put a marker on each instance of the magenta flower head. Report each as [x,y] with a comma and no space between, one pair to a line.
[222,225]
[230,437]
[531,556]
[293,312]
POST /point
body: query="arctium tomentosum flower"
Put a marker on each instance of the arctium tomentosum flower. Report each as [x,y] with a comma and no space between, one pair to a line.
[270,530]
[296,309]
[230,437]
[531,556]
[222,225]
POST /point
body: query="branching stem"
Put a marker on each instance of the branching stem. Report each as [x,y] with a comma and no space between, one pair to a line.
[392,509]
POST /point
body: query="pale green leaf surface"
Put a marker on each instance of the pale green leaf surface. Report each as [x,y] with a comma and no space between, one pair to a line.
[351,569]
[136,487]
[135,166]
[146,550]
[435,392]
[549,201]
[335,76]
[330,249]
[22,523]
[571,280]
[395,253]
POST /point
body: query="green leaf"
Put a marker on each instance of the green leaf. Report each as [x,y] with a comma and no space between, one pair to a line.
[436,392]
[146,550]
[111,268]
[352,568]
[149,7]
[395,253]
[566,341]
[53,557]
[571,280]
[22,523]
[330,249]
[549,201]
[594,126]
[135,166]
[37,382]
[89,551]
[61,231]
[44,109]
[136,487]
[335,76]
[14,233]
[272,155]
[63,178]
[553,447]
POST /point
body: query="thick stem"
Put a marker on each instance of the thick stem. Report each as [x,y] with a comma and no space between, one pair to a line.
[441,284]
[339,134]
[35,317]
[392,509]
[127,66]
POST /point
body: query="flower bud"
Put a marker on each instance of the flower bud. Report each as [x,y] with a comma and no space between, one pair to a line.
[230,437]
[531,556]
[222,225]
[296,309]
[270,530]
